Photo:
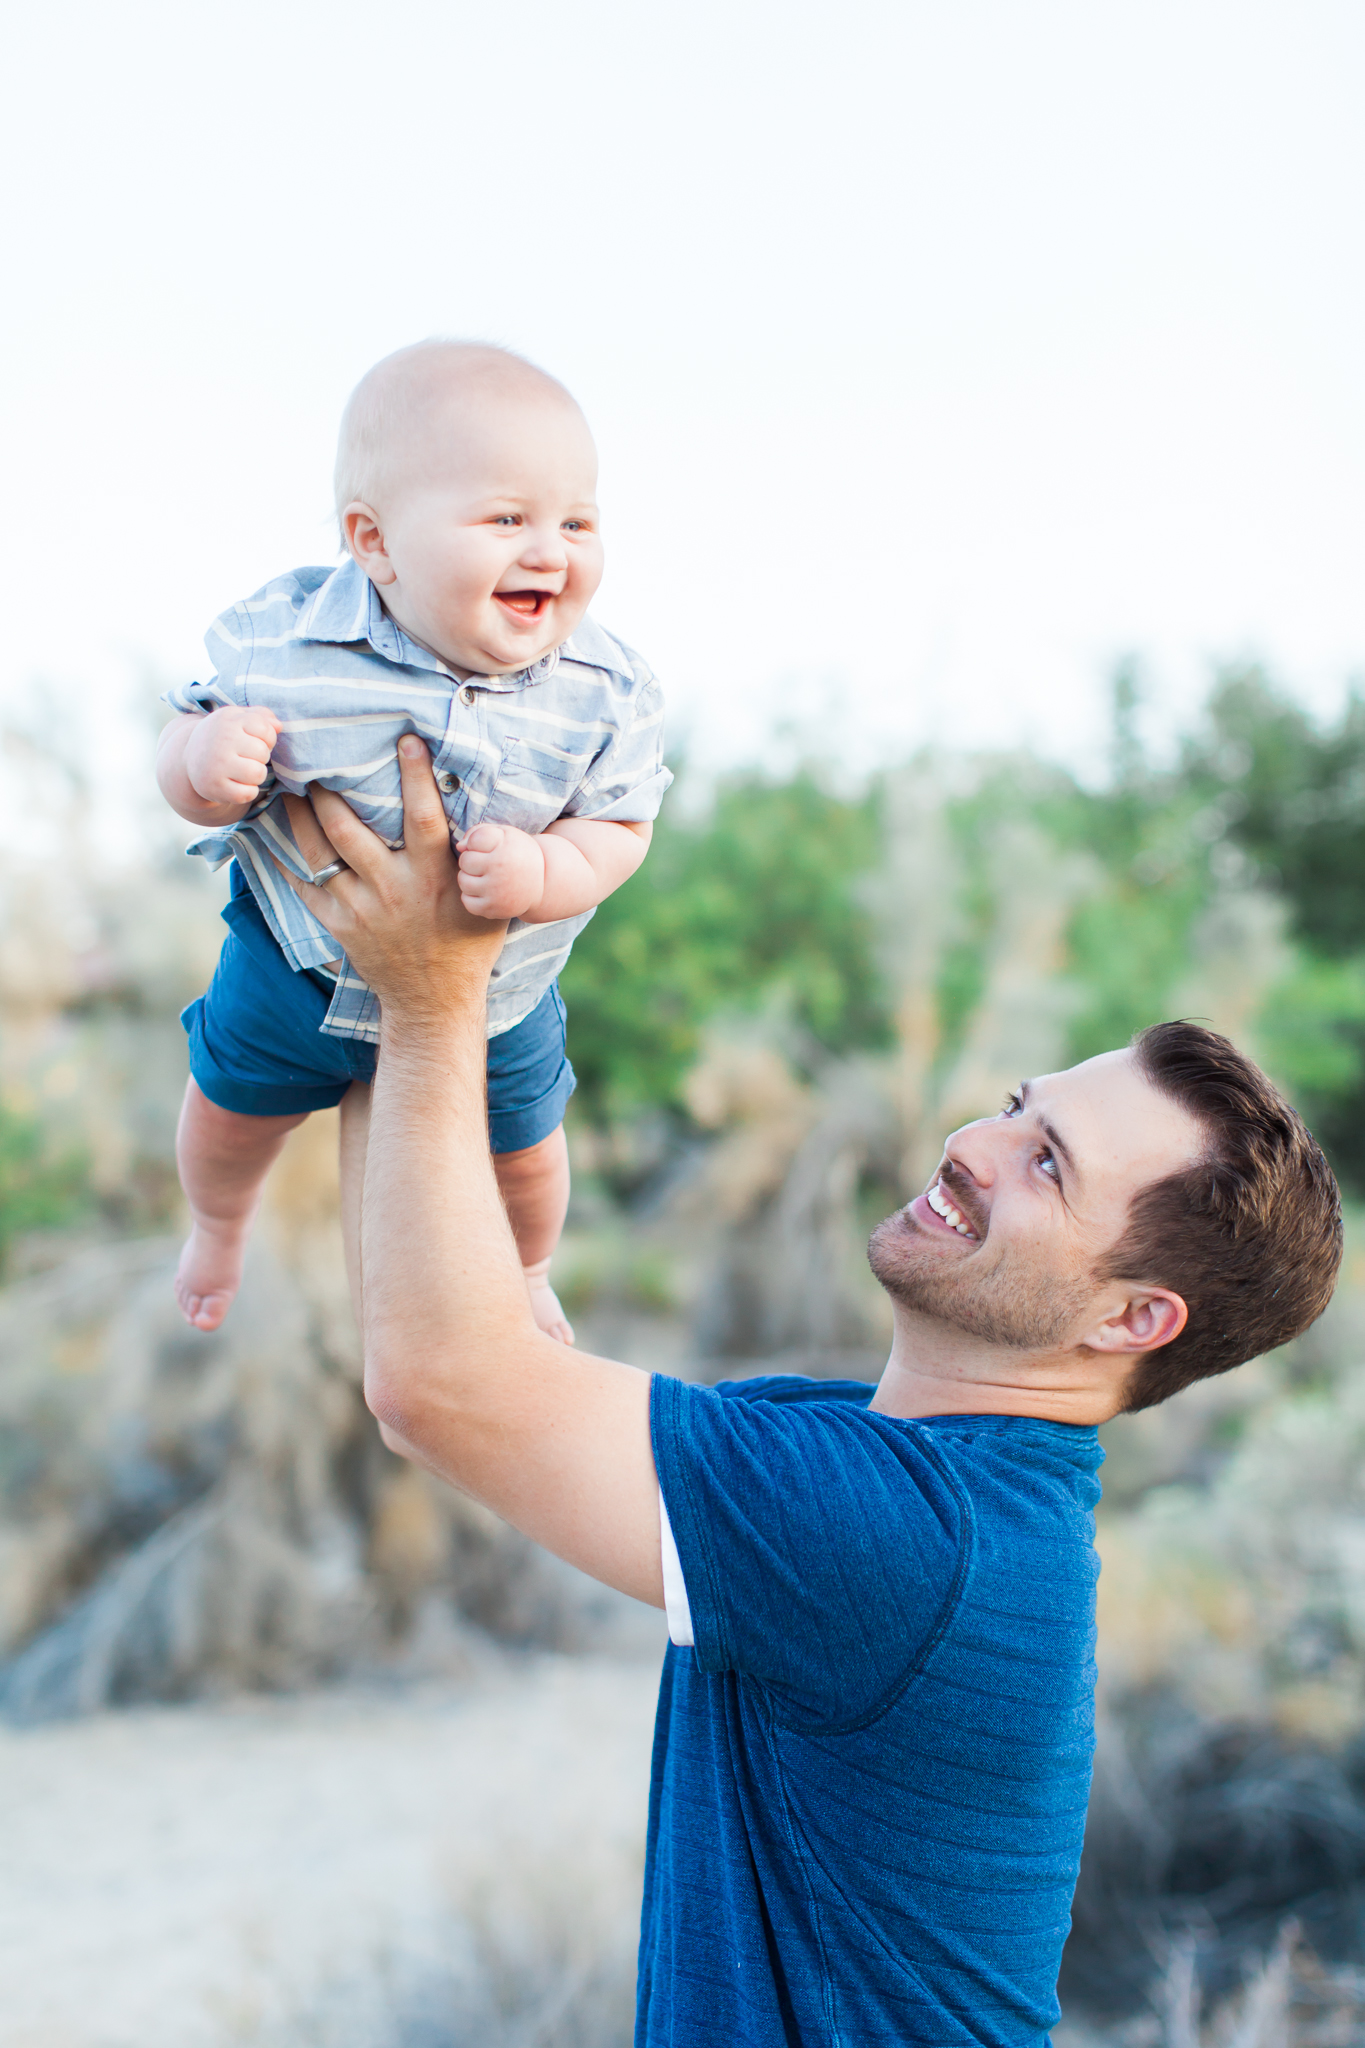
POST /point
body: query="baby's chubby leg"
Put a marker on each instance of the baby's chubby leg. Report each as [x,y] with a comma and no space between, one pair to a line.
[534,1185]
[223,1159]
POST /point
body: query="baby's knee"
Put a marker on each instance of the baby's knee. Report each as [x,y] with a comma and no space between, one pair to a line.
[533,1161]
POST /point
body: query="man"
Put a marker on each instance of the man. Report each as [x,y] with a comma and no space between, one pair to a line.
[875,1726]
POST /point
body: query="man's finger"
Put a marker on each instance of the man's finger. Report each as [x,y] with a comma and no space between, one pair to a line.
[324,906]
[311,840]
[425,829]
[343,834]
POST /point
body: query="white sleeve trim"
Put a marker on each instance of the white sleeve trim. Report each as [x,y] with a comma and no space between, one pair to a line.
[675,1592]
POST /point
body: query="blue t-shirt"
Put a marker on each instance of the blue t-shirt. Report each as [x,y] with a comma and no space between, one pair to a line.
[870,1775]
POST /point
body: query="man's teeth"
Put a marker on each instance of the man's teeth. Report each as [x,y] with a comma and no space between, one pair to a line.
[941,1206]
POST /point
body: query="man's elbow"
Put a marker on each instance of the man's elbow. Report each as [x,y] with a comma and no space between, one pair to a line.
[399,1445]
[395,1405]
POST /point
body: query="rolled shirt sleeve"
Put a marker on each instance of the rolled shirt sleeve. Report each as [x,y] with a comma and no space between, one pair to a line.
[628,779]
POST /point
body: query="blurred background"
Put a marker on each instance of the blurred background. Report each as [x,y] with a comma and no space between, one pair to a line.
[984,475]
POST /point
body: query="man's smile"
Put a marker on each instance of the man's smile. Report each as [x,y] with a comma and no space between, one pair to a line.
[937,1213]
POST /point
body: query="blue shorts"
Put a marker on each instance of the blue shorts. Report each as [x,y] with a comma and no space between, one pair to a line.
[255,1045]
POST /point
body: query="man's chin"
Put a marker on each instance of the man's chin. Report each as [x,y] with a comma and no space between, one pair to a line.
[902,1259]
[1017,1311]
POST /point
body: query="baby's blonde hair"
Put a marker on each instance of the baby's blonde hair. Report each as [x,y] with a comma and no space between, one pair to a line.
[388,396]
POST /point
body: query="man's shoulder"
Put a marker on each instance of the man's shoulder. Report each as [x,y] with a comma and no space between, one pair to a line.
[1016,1466]
[792,1387]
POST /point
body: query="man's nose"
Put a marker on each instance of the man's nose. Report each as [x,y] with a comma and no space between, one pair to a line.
[971,1152]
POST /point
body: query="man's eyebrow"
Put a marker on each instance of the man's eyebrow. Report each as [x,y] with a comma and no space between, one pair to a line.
[1052,1134]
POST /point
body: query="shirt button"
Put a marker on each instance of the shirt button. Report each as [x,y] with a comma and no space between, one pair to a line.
[467,695]
[447,783]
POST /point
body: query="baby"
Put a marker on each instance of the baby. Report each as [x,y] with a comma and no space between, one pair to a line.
[465,487]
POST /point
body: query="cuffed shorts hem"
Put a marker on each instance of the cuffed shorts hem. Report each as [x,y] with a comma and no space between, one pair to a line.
[253,1098]
[512,1130]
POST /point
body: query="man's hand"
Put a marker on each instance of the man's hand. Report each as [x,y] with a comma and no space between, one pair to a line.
[227,755]
[398,915]
[502,871]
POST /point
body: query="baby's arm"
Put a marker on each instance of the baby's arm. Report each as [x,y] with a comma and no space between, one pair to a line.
[560,872]
[210,766]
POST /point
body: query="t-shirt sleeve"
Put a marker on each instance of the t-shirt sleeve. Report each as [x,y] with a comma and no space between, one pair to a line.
[821,1549]
[628,779]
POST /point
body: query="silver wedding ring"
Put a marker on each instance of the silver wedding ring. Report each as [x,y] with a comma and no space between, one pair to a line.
[328,874]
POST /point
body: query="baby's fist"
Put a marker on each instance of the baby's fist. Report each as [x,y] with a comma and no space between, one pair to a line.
[502,871]
[228,755]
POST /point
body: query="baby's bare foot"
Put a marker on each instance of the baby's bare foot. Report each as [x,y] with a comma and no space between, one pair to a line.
[210,1272]
[549,1316]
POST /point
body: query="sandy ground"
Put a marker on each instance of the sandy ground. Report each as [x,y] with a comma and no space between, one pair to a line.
[295,1871]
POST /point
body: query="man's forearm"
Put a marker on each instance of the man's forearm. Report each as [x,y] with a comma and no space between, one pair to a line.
[455,1367]
[443,1286]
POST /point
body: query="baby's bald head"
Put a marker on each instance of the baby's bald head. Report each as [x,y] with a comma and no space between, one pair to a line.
[466,489]
[425,407]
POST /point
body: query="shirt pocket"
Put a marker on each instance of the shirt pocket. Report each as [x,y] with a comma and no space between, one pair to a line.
[534,782]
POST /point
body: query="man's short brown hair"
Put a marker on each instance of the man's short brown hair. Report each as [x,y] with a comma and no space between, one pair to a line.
[1250,1237]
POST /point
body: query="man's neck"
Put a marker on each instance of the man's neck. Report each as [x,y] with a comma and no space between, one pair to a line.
[933,1371]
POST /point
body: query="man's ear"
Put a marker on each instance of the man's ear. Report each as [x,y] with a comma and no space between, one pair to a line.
[365,539]
[1147,1319]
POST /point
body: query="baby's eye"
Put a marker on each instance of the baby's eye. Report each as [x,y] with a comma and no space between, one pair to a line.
[507,519]
[575,526]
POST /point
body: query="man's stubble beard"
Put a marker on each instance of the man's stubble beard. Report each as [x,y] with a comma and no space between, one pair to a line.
[1004,1304]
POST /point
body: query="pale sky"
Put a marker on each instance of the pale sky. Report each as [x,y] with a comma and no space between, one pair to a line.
[937,354]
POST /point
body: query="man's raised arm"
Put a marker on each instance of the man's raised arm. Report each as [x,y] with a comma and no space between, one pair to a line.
[554,1441]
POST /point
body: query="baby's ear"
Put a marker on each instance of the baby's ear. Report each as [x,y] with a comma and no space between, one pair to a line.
[365,539]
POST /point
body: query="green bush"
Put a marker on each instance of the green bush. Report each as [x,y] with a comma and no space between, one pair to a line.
[37,1191]
[758,896]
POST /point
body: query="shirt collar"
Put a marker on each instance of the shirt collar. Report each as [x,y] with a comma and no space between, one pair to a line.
[347,608]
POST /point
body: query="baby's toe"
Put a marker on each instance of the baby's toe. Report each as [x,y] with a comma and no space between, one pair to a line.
[210,1310]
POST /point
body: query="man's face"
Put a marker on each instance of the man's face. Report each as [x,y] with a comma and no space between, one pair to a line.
[491,531]
[1004,1242]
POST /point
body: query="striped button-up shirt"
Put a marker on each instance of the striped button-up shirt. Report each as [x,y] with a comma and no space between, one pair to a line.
[578,735]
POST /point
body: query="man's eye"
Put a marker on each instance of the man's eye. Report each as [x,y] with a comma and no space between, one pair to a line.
[1013,1104]
[1049,1165]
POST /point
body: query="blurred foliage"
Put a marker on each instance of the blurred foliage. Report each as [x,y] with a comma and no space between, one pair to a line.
[759,901]
[1261,797]
[37,1191]
[756,900]
[1293,794]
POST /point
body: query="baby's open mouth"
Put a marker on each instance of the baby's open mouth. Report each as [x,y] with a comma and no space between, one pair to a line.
[527,604]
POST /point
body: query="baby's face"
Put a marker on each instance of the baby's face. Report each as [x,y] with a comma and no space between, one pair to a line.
[488,546]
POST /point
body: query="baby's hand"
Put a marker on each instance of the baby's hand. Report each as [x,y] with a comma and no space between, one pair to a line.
[502,871]
[228,754]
